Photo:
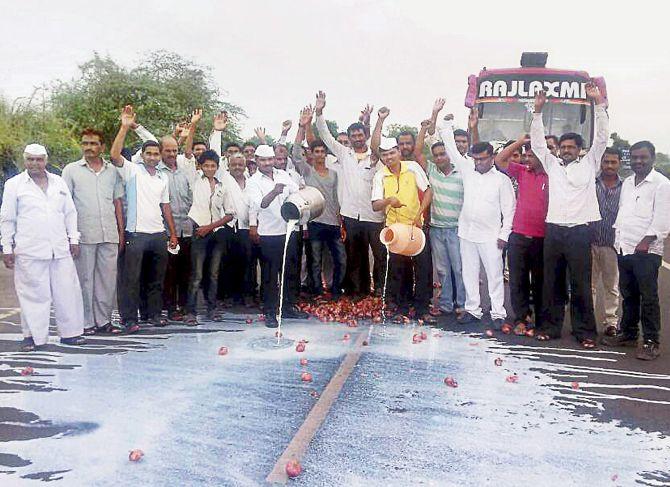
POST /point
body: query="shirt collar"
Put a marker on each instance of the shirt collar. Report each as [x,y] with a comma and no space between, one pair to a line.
[82,162]
[403,169]
[619,181]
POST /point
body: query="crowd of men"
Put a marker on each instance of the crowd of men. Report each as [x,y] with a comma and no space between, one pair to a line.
[149,232]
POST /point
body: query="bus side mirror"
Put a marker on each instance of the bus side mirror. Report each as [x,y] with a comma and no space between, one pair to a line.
[582,115]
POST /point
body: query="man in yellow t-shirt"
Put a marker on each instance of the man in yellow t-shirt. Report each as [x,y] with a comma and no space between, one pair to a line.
[396,189]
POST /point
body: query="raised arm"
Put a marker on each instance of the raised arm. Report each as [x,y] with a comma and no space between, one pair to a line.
[601,131]
[296,152]
[143,133]
[322,128]
[446,131]
[502,158]
[437,108]
[364,118]
[285,127]
[376,138]
[127,120]
[537,141]
[188,145]
[420,141]
[220,124]
[260,133]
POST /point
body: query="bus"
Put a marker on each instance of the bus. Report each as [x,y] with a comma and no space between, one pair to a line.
[504,99]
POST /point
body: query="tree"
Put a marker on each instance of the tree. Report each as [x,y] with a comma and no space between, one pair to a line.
[618,142]
[395,128]
[30,121]
[164,88]
[332,127]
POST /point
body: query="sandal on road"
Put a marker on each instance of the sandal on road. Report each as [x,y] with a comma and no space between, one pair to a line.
[588,343]
[543,337]
[159,321]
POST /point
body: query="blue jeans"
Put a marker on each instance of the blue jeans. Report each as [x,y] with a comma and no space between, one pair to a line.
[445,245]
[322,235]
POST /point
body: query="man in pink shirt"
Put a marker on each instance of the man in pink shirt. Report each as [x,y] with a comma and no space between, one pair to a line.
[527,237]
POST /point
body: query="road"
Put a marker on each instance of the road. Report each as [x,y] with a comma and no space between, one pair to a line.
[203,419]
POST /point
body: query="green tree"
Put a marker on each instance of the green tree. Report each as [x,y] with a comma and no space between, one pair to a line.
[618,142]
[332,127]
[395,128]
[28,121]
[163,88]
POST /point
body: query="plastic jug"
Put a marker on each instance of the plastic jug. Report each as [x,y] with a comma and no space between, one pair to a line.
[403,239]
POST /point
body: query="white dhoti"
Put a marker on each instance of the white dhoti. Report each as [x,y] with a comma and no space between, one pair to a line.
[488,253]
[39,283]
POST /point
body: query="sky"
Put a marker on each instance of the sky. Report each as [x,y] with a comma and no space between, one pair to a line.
[270,57]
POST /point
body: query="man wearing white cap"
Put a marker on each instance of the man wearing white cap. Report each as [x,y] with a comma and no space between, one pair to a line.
[267,189]
[395,190]
[38,223]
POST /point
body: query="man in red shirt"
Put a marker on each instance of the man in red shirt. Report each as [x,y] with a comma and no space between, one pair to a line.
[527,237]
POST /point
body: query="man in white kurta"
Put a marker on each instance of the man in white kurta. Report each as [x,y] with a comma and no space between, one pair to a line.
[484,224]
[38,223]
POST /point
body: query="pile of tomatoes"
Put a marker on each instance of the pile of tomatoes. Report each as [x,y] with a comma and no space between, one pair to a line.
[344,310]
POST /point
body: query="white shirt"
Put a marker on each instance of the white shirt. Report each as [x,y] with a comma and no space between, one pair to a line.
[644,209]
[35,224]
[270,221]
[572,188]
[209,205]
[144,194]
[239,200]
[354,176]
[488,199]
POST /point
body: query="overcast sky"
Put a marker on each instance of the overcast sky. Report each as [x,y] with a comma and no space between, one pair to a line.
[270,57]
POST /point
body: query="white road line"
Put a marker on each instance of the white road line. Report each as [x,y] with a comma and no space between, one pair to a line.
[666,265]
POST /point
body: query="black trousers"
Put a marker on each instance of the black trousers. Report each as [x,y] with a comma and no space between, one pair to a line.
[526,273]
[148,250]
[272,250]
[411,280]
[360,237]
[638,284]
[568,248]
[239,258]
[177,276]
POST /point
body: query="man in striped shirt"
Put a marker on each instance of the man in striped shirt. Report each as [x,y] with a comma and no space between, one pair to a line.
[603,256]
[445,209]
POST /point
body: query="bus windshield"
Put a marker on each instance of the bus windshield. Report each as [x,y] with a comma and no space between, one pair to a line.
[503,121]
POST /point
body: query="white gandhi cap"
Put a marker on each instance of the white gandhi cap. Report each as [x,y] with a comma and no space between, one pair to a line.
[35,150]
[387,143]
[264,151]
